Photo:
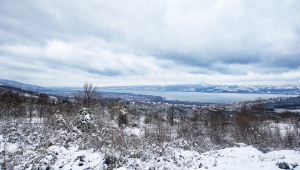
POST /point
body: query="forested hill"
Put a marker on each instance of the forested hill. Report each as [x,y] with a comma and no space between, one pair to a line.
[14,89]
[23,86]
[258,89]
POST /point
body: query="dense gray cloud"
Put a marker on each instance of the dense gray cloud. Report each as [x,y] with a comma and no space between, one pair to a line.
[141,42]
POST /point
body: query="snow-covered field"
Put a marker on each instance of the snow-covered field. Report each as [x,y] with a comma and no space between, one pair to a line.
[245,157]
[230,158]
[238,157]
[65,142]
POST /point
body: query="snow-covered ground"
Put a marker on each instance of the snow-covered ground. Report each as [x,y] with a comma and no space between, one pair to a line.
[239,157]
[279,110]
[245,157]
[62,143]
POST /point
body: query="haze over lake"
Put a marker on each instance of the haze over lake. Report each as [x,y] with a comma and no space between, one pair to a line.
[202,96]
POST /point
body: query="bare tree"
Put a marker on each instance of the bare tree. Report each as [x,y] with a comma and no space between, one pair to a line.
[247,125]
[88,96]
[30,102]
[258,107]
[42,102]
[171,115]
[10,102]
[216,126]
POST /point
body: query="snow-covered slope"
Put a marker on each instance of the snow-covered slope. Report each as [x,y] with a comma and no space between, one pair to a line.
[242,157]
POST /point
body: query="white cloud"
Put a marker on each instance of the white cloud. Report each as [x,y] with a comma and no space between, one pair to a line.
[142,42]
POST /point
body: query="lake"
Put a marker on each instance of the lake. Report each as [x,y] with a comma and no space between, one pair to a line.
[203,96]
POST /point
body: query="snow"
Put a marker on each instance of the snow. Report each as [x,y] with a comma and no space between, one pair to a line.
[123,111]
[286,110]
[122,168]
[76,159]
[246,158]
[73,157]
[241,156]
[282,128]
[11,147]
[133,131]
[60,153]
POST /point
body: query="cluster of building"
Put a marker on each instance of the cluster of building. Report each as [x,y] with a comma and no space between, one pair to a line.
[151,103]
[269,105]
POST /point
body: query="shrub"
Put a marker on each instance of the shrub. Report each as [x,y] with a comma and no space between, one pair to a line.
[122,118]
[84,119]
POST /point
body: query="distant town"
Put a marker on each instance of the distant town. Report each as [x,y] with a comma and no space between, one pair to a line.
[271,105]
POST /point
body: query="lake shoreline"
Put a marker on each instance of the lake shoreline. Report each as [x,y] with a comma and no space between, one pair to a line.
[205,97]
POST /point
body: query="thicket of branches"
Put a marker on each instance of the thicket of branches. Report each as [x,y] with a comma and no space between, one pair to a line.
[36,119]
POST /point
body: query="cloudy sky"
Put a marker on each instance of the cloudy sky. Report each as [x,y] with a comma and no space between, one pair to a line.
[108,43]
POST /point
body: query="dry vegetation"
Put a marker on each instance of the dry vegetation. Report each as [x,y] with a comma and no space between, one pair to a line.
[37,121]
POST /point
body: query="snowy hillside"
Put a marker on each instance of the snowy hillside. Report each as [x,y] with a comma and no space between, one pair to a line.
[239,157]
[61,144]
[38,132]
[245,157]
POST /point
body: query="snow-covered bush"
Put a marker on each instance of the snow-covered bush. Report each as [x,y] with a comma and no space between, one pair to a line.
[84,119]
[123,118]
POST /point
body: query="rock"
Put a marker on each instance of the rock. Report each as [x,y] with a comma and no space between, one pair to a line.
[110,160]
[283,165]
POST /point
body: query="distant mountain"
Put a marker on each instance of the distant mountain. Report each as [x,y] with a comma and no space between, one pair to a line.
[22,86]
[65,89]
[258,89]
[7,88]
